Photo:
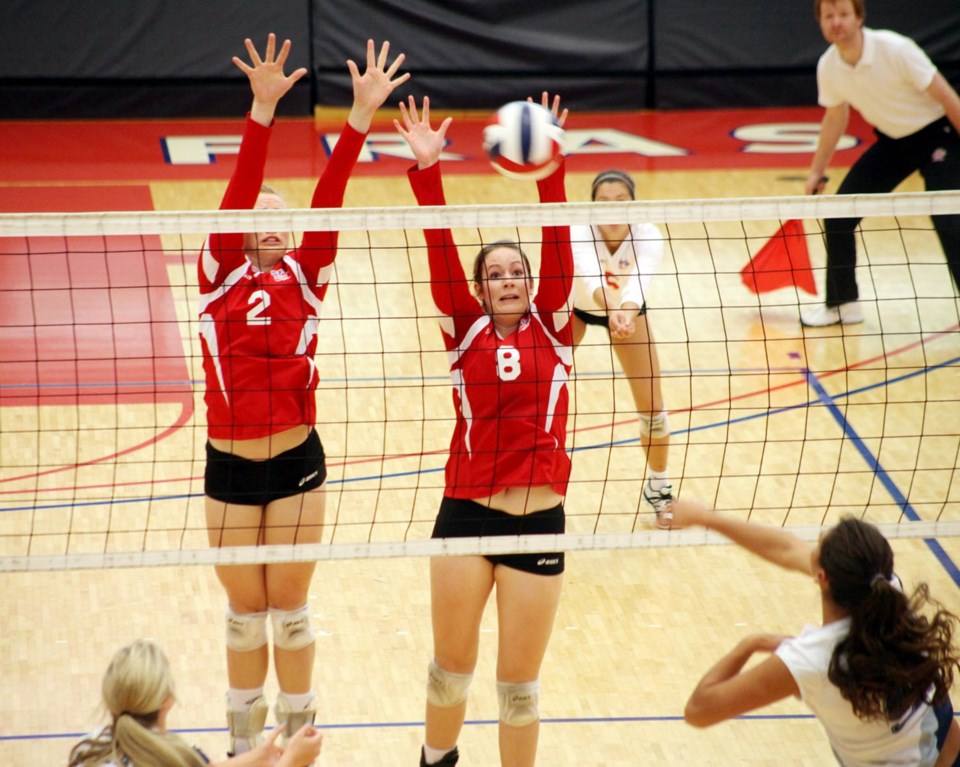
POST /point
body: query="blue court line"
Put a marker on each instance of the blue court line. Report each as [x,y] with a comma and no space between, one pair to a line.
[885,479]
[598,446]
[193,384]
[323,726]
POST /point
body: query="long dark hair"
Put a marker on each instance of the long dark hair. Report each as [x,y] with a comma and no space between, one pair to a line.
[895,657]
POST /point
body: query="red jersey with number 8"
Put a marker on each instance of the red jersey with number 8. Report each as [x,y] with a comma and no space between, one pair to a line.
[510,394]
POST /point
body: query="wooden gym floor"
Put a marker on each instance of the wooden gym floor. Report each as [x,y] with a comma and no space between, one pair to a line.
[636,628]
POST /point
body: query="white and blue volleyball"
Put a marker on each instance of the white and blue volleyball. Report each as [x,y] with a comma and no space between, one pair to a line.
[523,141]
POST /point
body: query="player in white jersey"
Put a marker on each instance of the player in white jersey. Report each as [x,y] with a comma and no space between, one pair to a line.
[877,673]
[507,472]
[614,265]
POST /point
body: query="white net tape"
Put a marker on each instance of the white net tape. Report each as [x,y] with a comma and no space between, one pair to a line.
[479,216]
[43,528]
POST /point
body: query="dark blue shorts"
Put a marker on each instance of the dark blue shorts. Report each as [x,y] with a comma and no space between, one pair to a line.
[944,714]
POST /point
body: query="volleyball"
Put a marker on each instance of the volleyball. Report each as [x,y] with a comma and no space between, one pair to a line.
[523,141]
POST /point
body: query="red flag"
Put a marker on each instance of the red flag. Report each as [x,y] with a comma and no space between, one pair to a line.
[782,262]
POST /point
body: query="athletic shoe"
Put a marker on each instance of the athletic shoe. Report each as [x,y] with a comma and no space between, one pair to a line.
[661,502]
[821,316]
[449,759]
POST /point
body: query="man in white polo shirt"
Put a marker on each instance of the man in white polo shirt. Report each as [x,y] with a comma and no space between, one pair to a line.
[916,115]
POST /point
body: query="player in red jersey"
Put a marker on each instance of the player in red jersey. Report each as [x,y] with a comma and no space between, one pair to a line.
[508,468]
[259,313]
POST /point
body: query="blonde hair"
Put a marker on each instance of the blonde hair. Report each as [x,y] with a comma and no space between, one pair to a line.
[137,684]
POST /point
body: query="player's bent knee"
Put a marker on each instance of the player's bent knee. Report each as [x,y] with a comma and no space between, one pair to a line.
[519,702]
[656,426]
[246,631]
[446,689]
[292,629]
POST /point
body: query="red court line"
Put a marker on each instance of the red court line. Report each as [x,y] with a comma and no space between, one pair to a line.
[400,456]
[186,413]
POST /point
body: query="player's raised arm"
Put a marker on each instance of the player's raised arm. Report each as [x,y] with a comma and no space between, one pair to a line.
[556,260]
[448,285]
[774,544]
[370,90]
[373,87]
[267,79]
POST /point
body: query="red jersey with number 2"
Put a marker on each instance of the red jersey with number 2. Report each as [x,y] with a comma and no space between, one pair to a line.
[259,329]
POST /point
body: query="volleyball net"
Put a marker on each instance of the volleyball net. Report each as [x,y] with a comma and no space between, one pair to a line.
[102,422]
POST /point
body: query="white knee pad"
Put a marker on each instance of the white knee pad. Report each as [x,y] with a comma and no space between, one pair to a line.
[656,426]
[519,702]
[444,688]
[292,629]
[246,632]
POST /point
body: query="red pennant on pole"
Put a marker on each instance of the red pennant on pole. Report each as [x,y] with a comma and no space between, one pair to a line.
[783,261]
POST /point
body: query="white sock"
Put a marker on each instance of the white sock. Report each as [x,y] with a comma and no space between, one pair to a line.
[658,479]
[434,755]
[242,700]
[299,701]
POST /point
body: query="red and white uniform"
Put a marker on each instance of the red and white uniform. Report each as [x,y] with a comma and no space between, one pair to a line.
[259,329]
[510,394]
[626,273]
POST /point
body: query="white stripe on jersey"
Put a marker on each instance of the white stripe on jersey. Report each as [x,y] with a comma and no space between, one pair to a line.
[560,378]
[208,331]
[478,326]
[311,324]
[564,352]
[456,374]
[208,263]
[562,316]
[465,410]
[447,326]
[231,279]
[556,386]
[323,276]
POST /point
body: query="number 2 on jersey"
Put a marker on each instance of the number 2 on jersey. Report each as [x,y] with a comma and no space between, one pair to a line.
[508,363]
[259,301]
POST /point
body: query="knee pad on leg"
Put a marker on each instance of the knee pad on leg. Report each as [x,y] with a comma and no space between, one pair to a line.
[519,702]
[247,631]
[656,426]
[446,689]
[292,629]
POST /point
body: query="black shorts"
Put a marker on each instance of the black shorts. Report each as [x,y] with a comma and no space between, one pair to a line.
[599,319]
[232,479]
[462,518]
